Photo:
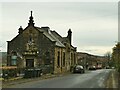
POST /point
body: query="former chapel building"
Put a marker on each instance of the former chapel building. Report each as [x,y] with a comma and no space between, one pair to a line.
[35,46]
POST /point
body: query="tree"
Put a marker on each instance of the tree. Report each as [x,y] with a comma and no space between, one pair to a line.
[116,56]
[108,55]
[109,60]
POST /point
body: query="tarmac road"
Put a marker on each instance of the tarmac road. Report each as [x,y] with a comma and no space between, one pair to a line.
[90,79]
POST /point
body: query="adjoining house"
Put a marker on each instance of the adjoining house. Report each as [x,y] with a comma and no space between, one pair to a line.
[37,46]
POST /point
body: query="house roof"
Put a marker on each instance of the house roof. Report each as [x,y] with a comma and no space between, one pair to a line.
[57,35]
[48,33]
[62,39]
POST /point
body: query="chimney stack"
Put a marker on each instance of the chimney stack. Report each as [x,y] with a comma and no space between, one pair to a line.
[20,30]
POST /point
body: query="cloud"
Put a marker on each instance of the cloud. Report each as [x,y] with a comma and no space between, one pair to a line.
[93,24]
[59,0]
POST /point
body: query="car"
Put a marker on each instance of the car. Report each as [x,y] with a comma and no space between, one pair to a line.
[113,67]
[107,67]
[1,75]
[92,67]
[78,69]
[99,67]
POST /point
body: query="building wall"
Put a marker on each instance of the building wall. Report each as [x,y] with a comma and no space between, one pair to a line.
[71,58]
[59,67]
[41,43]
[47,51]
[16,45]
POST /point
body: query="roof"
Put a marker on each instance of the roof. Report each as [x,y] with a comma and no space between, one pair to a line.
[57,35]
[62,39]
[48,33]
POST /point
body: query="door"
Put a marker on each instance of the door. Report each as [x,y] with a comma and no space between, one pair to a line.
[29,62]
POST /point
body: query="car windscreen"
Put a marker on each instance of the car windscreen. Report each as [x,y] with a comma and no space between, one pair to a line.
[79,67]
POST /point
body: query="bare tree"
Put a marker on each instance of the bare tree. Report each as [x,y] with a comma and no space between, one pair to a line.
[108,56]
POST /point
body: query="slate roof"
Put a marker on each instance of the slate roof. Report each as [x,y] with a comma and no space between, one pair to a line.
[48,33]
[62,39]
[57,35]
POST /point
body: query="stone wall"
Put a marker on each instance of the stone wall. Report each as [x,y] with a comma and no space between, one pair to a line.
[59,67]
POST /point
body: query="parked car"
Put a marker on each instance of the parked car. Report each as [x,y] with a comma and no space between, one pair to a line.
[99,67]
[92,67]
[113,67]
[78,69]
[107,67]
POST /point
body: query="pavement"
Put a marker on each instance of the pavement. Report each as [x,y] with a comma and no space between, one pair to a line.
[112,81]
[19,80]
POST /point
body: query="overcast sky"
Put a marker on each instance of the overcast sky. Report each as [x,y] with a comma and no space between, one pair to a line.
[94,25]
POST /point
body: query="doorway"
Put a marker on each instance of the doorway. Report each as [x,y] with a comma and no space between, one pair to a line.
[29,62]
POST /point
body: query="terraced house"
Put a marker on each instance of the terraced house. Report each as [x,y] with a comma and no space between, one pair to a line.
[36,46]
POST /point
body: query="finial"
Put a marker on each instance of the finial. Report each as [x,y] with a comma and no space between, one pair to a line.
[31,13]
[31,21]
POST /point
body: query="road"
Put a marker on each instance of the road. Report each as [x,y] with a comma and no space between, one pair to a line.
[90,79]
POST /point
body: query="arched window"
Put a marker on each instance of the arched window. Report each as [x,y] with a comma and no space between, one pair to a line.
[47,59]
[63,58]
[58,59]
[14,58]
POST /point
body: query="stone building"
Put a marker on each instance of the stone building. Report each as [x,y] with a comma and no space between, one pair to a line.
[36,46]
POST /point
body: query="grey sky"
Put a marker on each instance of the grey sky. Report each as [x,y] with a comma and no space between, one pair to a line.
[94,24]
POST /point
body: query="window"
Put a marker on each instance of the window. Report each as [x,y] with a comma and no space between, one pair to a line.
[58,59]
[30,38]
[63,58]
[74,59]
[14,59]
[71,59]
[47,59]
